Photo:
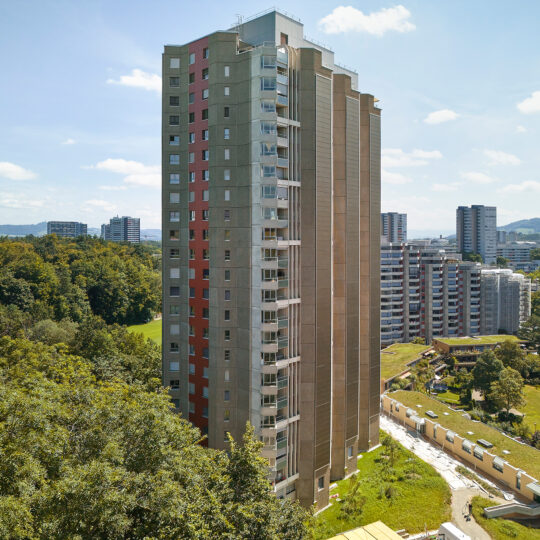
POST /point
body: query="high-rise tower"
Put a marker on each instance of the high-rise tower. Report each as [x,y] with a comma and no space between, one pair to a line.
[476,231]
[271,230]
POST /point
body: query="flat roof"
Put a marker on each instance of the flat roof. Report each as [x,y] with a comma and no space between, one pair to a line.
[394,359]
[477,340]
[374,531]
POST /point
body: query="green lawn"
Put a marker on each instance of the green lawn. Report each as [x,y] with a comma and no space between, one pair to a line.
[522,456]
[422,497]
[501,529]
[150,330]
[478,340]
[394,359]
[532,406]
[449,397]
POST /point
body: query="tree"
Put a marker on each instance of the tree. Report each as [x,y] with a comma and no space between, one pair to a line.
[535,303]
[423,373]
[474,257]
[511,355]
[535,254]
[419,341]
[502,262]
[486,371]
[530,331]
[507,391]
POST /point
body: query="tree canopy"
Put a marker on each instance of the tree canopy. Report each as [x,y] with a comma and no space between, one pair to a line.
[486,371]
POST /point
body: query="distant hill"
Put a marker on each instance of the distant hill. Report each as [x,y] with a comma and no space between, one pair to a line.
[22,230]
[525,226]
[151,234]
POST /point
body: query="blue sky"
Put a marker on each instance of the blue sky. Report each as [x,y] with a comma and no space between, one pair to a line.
[458,82]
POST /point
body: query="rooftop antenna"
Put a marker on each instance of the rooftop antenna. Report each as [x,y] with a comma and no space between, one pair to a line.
[239,19]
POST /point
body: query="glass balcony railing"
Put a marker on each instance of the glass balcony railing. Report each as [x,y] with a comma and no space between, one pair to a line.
[283,283]
[283,262]
[283,342]
[283,323]
[282,402]
[283,100]
[283,382]
[281,443]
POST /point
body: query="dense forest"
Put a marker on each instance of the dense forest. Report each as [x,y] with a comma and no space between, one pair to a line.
[90,446]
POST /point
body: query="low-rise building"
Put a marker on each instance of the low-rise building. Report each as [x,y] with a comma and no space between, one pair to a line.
[516,252]
[67,229]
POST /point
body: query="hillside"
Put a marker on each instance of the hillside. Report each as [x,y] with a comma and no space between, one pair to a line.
[526,226]
[22,230]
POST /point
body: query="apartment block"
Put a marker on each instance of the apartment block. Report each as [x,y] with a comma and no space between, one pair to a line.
[505,301]
[394,227]
[67,229]
[516,252]
[122,229]
[271,227]
[427,292]
[476,231]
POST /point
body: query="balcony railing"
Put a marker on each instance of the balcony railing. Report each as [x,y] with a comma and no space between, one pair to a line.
[283,382]
[283,322]
[283,262]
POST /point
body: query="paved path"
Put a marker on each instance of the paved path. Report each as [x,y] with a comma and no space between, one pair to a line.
[460,503]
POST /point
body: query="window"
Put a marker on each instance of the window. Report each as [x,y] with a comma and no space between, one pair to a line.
[226,174]
[191,407]
[227,235]
[206,273]
[191,196]
[174,101]
[174,140]
[191,234]
[191,78]
[205,93]
[284,39]
[498,464]
[192,388]
[191,295]
[174,384]
[226,112]
[174,253]
[268,61]
[227,336]
[175,403]
[226,415]
[192,215]
[192,333]
[268,106]
[205,215]
[174,216]
[192,97]
[174,309]
[205,293]
[227,315]
[268,83]
[226,71]
[478,453]
[226,91]
[191,138]
[227,154]
[226,133]
[174,365]
[192,58]
[268,128]
[226,373]
[204,75]
[205,52]
[205,195]
[174,120]
[205,355]
[227,294]
[205,392]
[320,482]
[268,149]
[227,275]
[204,114]
[450,436]
[226,395]
[226,355]
[174,178]
[206,255]
[206,175]
[174,197]
[174,159]
[205,333]
[226,214]
[268,171]
[174,63]
[174,82]
[192,273]
[173,347]
[191,349]
[350,451]
[227,194]
[204,135]
[192,176]
[191,117]
[268,192]
[205,154]
[191,157]
[191,254]
[227,255]
[174,329]
[174,235]
[205,234]
[191,311]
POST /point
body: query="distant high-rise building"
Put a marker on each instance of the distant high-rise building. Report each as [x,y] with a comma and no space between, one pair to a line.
[271,234]
[516,252]
[122,229]
[476,231]
[505,301]
[67,229]
[394,227]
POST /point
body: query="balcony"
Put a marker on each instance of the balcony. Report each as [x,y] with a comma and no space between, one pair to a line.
[283,322]
[283,262]
[283,100]
[283,162]
[283,142]
[283,382]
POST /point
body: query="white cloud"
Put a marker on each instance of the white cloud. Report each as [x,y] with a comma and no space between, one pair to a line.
[501,158]
[15,172]
[531,104]
[69,141]
[521,129]
[394,178]
[478,177]
[527,185]
[350,19]
[396,157]
[112,188]
[100,204]
[19,202]
[139,79]
[445,188]
[438,117]
[136,173]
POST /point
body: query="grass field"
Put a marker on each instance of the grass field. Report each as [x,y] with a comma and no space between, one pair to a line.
[422,497]
[449,397]
[522,456]
[501,529]
[479,340]
[150,330]
[394,359]
[532,406]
